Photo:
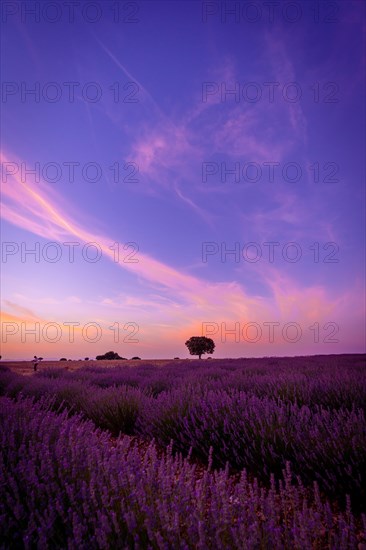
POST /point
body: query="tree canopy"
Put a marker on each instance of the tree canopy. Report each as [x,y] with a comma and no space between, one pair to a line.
[198,345]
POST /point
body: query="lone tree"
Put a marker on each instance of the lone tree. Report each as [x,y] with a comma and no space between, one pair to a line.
[198,345]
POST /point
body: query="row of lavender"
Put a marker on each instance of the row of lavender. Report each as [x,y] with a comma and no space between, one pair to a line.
[332,381]
[65,485]
[205,406]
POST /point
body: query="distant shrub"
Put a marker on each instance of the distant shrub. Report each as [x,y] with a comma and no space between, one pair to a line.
[109,356]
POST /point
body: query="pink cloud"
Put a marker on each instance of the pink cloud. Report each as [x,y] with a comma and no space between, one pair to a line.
[197,300]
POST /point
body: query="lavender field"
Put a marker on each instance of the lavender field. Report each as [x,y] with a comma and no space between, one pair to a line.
[244,453]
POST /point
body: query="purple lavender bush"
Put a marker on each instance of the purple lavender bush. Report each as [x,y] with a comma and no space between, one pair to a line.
[66,485]
[255,414]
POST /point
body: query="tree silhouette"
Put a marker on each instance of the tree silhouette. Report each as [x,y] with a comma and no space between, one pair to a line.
[198,345]
[109,356]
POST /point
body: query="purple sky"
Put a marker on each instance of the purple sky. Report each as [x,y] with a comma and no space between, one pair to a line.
[190,130]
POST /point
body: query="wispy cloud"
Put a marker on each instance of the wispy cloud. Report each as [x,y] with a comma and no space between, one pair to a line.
[145,93]
[199,299]
[284,72]
[20,310]
[44,218]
